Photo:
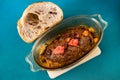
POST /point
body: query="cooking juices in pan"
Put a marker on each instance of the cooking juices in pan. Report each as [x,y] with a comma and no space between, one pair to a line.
[67,47]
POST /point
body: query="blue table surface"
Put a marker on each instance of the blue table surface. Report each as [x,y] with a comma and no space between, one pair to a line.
[13,50]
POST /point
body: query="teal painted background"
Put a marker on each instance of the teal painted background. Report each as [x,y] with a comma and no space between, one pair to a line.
[13,50]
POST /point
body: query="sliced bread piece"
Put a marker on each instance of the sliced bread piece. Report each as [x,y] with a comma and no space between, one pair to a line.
[37,18]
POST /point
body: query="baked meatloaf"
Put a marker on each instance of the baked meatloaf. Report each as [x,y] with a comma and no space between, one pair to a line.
[68,47]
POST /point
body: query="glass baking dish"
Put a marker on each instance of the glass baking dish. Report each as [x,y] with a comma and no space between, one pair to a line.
[94,21]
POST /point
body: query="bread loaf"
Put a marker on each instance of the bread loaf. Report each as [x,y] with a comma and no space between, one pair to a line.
[37,18]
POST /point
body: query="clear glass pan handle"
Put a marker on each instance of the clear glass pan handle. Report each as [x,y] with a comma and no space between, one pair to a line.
[102,22]
[33,66]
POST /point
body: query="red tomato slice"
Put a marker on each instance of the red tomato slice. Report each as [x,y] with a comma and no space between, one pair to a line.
[58,50]
[73,42]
